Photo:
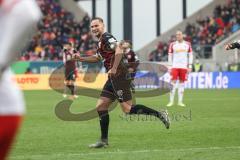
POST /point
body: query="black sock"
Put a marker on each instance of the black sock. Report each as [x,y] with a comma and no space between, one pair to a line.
[141,109]
[71,87]
[104,123]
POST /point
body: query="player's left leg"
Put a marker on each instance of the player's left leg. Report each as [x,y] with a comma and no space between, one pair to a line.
[123,93]
[182,79]
[70,84]
[129,108]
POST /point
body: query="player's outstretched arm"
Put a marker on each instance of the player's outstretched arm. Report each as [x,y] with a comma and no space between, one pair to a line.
[233,45]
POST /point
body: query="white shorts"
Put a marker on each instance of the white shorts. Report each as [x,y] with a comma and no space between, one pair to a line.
[11,98]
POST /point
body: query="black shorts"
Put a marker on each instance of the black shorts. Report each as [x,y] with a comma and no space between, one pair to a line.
[117,88]
[70,75]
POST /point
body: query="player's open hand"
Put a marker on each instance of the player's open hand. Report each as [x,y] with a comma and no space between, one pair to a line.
[228,47]
[112,72]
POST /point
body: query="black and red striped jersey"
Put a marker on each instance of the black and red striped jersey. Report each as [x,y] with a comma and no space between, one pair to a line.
[70,64]
[106,49]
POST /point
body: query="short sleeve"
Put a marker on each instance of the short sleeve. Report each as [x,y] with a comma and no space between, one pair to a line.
[170,48]
[110,42]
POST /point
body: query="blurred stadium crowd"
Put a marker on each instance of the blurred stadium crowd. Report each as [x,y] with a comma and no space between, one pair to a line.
[56,28]
[205,32]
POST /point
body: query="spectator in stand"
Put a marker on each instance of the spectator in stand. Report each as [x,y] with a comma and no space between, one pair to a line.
[197,66]
[160,53]
[211,30]
[56,28]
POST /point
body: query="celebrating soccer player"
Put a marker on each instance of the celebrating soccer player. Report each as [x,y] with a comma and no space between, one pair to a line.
[117,85]
[180,59]
[17,19]
[70,69]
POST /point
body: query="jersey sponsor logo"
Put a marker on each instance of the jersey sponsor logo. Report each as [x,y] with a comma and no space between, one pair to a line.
[111,40]
[69,57]
[120,93]
[180,50]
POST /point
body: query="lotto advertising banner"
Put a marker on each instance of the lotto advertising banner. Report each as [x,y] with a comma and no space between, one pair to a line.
[44,67]
[202,80]
[41,82]
[47,67]
[32,81]
[208,80]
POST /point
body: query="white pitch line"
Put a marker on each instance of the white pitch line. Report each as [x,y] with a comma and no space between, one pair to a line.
[121,152]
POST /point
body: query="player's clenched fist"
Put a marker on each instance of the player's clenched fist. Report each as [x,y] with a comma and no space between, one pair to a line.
[77,57]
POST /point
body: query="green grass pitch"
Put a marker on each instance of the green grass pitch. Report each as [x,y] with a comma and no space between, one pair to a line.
[208,129]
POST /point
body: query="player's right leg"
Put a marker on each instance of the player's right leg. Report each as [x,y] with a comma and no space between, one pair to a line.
[174,77]
[102,108]
[172,93]
[106,98]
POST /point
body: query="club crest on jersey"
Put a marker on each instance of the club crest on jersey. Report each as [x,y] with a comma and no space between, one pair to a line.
[120,93]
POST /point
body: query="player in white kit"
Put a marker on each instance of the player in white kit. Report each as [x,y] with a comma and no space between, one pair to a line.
[17,20]
[180,59]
